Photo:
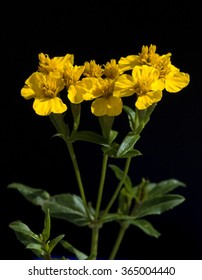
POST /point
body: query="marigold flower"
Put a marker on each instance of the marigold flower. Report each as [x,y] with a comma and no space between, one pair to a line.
[47,65]
[144,82]
[72,73]
[45,90]
[111,69]
[173,79]
[100,89]
[148,56]
[92,69]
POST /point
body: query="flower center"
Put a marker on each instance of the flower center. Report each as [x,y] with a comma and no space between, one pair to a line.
[48,91]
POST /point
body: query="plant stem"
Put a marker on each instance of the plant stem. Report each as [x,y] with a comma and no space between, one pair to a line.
[96,226]
[94,242]
[101,186]
[118,241]
[114,196]
[78,176]
[62,128]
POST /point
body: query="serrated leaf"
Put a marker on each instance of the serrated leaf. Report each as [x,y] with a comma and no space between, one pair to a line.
[127,144]
[80,255]
[35,196]
[163,187]
[68,207]
[158,205]
[145,226]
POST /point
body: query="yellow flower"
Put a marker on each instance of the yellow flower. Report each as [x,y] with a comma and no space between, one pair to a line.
[47,65]
[106,103]
[111,69]
[92,69]
[144,82]
[173,79]
[72,73]
[148,56]
[44,89]
[99,89]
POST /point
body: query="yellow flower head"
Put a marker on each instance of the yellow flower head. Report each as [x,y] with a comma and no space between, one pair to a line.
[144,82]
[173,79]
[92,69]
[99,89]
[72,73]
[47,65]
[111,69]
[45,89]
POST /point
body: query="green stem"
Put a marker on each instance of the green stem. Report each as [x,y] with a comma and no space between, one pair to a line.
[94,242]
[114,196]
[78,176]
[118,241]
[101,186]
[61,127]
[96,226]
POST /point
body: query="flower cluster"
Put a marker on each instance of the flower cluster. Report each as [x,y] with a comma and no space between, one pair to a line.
[145,76]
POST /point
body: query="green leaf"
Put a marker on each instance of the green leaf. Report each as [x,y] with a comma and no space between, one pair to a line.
[59,123]
[163,187]
[131,153]
[35,247]
[68,207]
[24,233]
[26,237]
[142,117]
[131,116]
[145,226]
[89,136]
[80,255]
[127,144]
[119,175]
[54,242]
[156,206]
[112,135]
[47,227]
[35,196]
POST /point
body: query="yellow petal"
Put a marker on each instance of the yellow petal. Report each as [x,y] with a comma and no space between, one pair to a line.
[75,94]
[36,82]
[128,63]
[176,82]
[27,92]
[124,86]
[45,107]
[144,101]
[110,106]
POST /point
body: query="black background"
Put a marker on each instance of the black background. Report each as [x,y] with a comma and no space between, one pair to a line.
[171,143]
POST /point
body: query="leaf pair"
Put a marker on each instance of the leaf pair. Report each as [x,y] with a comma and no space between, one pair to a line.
[138,202]
[39,244]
